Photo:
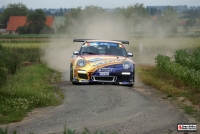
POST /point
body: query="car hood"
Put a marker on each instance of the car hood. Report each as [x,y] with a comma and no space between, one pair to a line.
[103,60]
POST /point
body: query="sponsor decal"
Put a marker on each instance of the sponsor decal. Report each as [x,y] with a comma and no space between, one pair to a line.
[94,60]
[105,70]
[103,73]
[100,61]
[186,127]
[83,81]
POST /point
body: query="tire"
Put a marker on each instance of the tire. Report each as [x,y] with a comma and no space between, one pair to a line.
[71,73]
[130,85]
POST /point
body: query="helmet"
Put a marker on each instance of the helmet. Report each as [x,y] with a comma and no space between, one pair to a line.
[113,50]
[91,49]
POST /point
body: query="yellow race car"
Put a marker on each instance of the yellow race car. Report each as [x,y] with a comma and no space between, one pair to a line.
[102,61]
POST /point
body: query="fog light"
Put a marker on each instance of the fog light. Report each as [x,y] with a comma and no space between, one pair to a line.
[126,73]
[82,72]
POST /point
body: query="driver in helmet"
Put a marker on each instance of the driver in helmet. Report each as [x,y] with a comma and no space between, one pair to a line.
[113,50]
[92,50]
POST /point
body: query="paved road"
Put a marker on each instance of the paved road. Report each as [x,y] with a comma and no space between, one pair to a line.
[137,110]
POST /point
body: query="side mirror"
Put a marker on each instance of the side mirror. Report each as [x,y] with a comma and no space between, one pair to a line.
[130,54]
[75,52]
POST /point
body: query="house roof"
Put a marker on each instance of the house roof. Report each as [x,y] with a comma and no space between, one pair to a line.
[15,22]
[49,21]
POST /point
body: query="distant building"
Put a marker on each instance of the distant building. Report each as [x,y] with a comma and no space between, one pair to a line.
[18,21]
[50,22]
[15,22]
[198,7]
[192,7]
[179,9]
[2,31]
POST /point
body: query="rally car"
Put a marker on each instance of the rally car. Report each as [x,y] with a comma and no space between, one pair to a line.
[102,61]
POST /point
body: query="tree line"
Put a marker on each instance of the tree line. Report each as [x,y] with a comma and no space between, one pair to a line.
[134,16]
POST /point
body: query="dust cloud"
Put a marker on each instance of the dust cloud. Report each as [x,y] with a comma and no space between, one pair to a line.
[58,52]
[57,55]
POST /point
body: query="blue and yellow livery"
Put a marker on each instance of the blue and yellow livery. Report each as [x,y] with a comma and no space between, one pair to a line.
[102,61]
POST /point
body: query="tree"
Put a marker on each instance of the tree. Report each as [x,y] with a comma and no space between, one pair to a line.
[151,11]
[48,13]
[148,10]
[22,30]
[12,10]
[78,18]
[136,14]
[159,12]
[89,11]
[155,11]
[36,21]
[3,68]
[192,13]
[61,12]
[70,18]
[198,22]
[191,22]
[47,30]
[169,20]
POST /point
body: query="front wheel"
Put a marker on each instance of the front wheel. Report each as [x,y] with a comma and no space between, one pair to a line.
[71,73]
[130,85]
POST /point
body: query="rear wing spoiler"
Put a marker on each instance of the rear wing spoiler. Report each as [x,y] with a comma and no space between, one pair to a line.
[83,40]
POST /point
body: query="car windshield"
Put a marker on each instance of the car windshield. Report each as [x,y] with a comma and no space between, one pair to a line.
[102,48]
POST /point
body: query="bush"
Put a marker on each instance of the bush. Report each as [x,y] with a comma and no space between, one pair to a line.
[188,75]
[3,69]
[191,60]
[21,30]
[30,87]
[47,30]
[12,58]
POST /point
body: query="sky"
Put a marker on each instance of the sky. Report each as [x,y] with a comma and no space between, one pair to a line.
[34,4]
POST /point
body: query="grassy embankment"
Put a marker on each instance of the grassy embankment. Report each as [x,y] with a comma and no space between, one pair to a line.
[24,88]
[30,87]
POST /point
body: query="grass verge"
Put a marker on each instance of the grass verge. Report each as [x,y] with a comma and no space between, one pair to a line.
[66,131]
[30,87]
[173,87]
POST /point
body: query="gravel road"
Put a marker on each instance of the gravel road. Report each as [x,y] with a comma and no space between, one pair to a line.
[111,108]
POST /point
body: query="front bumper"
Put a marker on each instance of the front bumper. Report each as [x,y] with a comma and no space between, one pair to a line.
[122,77]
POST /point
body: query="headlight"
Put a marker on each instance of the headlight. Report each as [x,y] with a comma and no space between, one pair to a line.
[81,63]
[126,64]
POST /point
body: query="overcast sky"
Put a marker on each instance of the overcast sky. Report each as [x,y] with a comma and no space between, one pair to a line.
[101,3]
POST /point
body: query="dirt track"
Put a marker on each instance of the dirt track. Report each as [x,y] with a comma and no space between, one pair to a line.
[138,110]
